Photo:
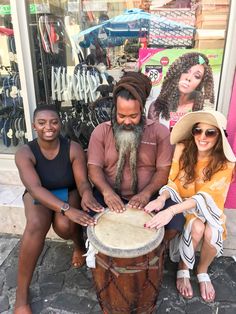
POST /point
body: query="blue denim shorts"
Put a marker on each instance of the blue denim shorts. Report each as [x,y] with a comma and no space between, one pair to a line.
[62,194]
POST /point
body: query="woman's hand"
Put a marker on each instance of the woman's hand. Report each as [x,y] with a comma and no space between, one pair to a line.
[160,219]
[80,217]
[156,205]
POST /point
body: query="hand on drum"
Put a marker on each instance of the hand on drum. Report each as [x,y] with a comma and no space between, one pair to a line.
[139,201]
[114,202]
[160,219]
[80,217]
[89,202]
[155,205]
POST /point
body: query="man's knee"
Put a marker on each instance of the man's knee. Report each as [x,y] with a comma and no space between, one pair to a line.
[177,222]
[170,234]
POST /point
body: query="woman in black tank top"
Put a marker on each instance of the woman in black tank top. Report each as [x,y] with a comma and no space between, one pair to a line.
[53,171]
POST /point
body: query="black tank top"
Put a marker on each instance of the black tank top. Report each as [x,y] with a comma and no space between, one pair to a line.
[56,173]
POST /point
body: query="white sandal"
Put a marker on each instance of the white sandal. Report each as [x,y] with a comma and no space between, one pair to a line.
[184,274]
[204,278]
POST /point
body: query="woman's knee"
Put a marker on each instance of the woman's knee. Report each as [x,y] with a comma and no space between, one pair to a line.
[35,226]
[38,217]
[207,234]
[198,228]
[63,227]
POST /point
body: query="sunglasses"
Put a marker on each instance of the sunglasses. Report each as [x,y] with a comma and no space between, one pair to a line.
[211,133]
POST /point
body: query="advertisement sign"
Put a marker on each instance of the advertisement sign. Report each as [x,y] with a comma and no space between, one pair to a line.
[170,66]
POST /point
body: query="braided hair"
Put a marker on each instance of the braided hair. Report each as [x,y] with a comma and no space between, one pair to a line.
[138,85]
[168,98]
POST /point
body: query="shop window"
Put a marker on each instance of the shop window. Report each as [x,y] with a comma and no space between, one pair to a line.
[12,120]
[80,48]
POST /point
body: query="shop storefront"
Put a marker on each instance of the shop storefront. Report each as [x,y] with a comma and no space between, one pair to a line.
[69,53]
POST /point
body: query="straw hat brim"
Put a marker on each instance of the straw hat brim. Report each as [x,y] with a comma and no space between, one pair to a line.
[182,129]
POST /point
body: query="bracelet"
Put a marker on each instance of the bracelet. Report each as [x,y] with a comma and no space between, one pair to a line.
[162,200]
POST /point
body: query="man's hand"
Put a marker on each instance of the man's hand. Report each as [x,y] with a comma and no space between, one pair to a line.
[139,200]
[114,202]
[156,205]
[80,217]
[89,202]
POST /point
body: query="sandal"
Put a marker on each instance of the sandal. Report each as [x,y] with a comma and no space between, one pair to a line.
[184,287]
[78,260]
[206,288]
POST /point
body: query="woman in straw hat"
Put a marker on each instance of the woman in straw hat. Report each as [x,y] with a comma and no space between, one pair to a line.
[201,172]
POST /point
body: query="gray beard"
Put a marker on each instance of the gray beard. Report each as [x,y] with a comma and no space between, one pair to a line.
[127,141]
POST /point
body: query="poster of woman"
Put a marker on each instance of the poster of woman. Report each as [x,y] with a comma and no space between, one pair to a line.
[183,80]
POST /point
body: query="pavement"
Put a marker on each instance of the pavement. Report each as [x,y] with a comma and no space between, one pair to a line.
[57,288]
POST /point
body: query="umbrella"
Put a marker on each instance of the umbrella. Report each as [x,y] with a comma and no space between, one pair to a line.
[132,22]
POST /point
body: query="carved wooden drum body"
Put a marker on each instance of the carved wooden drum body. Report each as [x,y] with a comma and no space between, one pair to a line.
[129,263]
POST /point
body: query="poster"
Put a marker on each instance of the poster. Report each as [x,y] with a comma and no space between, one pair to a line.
[155,63]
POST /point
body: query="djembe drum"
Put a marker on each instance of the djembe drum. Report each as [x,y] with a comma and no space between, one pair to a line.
[129,262]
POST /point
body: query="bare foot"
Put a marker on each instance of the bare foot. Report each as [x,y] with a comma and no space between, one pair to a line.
[78,260]
[23,309]
[183,284]
[207,290]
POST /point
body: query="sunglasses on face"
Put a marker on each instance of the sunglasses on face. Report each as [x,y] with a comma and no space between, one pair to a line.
[211,133]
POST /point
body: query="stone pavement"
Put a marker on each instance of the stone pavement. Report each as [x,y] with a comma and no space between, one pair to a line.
[59,289]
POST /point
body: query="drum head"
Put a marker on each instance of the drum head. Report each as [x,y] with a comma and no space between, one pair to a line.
[123,234]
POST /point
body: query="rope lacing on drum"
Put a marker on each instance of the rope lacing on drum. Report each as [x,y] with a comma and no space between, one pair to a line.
[111,279]
[148,306]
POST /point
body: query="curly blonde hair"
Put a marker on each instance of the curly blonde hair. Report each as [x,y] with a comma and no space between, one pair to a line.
[168,98]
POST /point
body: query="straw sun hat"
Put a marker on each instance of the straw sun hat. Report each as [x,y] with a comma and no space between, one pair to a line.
[182,129]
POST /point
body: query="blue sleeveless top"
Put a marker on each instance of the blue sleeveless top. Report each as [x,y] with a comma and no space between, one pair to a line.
[56,173]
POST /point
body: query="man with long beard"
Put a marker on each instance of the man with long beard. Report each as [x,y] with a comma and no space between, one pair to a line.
[129,157]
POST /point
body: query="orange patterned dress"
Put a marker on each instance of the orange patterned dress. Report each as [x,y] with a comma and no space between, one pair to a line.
[210,197]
